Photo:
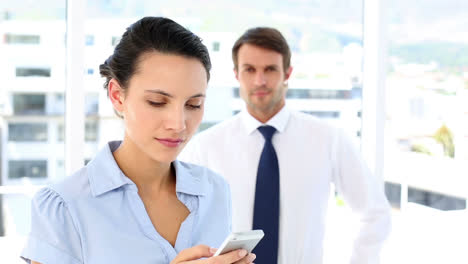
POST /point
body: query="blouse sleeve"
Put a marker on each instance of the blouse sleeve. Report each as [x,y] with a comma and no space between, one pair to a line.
[53,238]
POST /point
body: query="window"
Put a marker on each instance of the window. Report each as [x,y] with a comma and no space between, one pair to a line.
[216,46]
[91,104]
[89,40]
[318,94]
[56,104]
[115,41]
[293,93]
[323,114]
[298,93]
[91,130]
[21,39]
[205,125]
[60,168]
[27,132]
[60,132]
[29,104]
[236,92]
[32,72]
[27,168]
[426,103]
[393,193]
[435,200]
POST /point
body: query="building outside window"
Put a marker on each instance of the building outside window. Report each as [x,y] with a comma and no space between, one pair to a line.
[115,40]
[89,40]
[21,39]
[27,132]
[29,104]
[32,72]
[216,46]
[27,168]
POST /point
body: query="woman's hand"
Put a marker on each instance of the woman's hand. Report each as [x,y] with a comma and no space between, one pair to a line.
[192,256]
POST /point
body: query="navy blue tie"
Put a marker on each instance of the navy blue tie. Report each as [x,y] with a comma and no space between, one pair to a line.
[266,208]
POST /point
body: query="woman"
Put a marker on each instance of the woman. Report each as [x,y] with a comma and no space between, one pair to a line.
[134,202]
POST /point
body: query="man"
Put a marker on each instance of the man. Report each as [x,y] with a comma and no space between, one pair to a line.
[280,163]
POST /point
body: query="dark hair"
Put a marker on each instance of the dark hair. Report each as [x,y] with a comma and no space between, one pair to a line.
[152,34]
[264,37]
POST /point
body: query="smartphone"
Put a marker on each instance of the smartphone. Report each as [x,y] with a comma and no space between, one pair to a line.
[238,240]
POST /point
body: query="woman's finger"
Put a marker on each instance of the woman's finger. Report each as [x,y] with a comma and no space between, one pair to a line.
[231,257]
[247,259]
[193,253]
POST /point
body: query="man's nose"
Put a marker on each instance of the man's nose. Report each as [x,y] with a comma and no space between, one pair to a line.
[260,79]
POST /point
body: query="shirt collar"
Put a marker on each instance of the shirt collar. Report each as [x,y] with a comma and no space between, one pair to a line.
[103,172]
[105,175]
[278,121]
[188,182]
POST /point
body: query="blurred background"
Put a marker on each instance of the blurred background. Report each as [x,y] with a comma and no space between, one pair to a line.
[417,140]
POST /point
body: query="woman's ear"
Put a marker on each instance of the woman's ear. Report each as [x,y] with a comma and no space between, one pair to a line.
[116,95]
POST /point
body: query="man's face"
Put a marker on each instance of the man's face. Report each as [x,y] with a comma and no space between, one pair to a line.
[262,80]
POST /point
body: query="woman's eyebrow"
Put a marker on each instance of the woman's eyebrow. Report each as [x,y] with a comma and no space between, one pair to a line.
[159,92]
[171,96]
[197,95]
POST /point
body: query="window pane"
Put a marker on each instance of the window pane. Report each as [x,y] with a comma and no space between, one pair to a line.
[21,39]
[115,40]
[216,46]
[27,168]
[91,130]
[29,104]
[24,132]
[60,133]
[56,104]
[92,104]
[426,131]
[89,40]
[426,104]
[30,72]
[17,210]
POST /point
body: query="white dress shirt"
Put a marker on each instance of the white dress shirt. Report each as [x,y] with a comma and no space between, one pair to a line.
[311,156]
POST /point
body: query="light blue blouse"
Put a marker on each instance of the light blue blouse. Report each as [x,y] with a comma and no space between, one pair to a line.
[96,216]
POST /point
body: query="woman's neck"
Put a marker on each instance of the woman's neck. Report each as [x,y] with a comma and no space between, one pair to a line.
[149,175]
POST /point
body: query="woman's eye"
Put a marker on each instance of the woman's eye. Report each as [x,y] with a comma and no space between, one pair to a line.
[192,106]
[156,103]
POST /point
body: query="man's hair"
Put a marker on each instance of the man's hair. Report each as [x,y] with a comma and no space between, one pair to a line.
[267,38]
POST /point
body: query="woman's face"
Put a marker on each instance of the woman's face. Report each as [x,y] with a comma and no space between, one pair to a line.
[163,104]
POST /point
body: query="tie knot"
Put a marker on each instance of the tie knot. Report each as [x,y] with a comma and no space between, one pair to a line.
[267,131]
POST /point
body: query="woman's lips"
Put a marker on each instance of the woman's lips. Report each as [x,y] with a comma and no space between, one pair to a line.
[169,142]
